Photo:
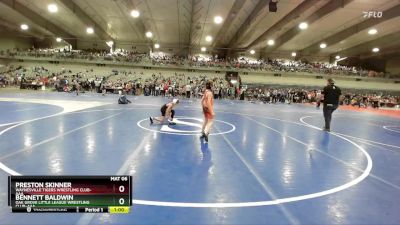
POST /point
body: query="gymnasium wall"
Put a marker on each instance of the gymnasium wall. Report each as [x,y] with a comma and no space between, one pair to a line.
[15,42]
[311,81]
[92,44]
[149,47]
[132,47]
[129,46]
[393,65]
[288,55]
[50,43]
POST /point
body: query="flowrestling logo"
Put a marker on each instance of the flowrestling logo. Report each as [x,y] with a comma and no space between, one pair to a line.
[373,14]
[186,126]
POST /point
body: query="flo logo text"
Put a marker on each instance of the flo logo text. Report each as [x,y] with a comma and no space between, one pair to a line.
[372,14]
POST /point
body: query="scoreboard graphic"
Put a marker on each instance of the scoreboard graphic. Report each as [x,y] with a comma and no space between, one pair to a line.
[77,194]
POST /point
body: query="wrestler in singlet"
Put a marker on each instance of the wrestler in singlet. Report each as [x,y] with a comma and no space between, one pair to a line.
[207,103]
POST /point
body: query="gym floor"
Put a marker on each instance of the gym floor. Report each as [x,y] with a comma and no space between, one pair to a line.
[264,163]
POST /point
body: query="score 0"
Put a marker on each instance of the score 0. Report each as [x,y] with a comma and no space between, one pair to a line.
[122,200]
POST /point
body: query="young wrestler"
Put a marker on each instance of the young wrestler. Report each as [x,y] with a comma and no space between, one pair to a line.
[207,103]
[166,112]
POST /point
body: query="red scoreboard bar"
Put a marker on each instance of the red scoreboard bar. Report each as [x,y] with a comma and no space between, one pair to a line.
[85,194]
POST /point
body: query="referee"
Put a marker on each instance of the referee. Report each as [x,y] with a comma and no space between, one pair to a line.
[330,96]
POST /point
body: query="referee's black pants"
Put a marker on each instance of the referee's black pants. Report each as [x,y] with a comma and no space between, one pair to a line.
[328,110]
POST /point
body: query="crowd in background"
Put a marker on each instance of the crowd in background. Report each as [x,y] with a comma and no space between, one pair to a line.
[179,85]
[271,65]
[289,95]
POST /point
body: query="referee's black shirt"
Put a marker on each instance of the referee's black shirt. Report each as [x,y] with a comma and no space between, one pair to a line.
[331,94]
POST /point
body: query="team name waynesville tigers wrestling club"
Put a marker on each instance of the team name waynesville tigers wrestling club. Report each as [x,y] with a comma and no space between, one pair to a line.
[28,187]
